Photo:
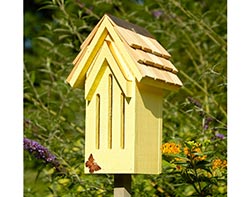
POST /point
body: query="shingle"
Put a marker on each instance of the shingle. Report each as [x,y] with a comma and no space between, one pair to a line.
[152,59]
[139,37]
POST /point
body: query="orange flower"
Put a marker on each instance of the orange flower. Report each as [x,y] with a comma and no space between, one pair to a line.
[218,163]
[186,151]
[171,148]
[178,167]
[190,153]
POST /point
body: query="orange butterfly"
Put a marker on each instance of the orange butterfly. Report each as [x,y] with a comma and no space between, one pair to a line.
[92,165]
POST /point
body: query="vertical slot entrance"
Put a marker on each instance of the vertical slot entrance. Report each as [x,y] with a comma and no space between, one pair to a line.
[122,112]
[98,121]
[110,110]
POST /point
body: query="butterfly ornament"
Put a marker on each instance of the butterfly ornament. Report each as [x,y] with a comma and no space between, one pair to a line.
[93,166]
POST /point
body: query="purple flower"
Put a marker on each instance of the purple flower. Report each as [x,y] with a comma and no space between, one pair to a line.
[194,101]
[219,135]
[81,5]
[40,152]
[207,122]
[157,13]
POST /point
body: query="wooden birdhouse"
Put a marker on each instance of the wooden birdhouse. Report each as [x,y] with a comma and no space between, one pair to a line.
[124,72]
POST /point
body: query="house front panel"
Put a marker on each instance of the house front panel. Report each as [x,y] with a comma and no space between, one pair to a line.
[110,126]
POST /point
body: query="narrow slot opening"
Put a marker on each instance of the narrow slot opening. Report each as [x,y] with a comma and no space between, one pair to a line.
[110,109]
[122,134]
[98,121]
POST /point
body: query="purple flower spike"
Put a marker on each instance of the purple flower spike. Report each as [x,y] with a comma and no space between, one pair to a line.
[194,101]
[40,152]
[219,135]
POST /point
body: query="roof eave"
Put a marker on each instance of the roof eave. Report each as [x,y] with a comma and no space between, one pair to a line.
[161,84]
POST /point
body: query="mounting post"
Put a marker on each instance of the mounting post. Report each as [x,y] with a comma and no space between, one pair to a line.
[122,185]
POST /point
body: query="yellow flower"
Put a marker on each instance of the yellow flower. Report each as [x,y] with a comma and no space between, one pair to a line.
[178,167]
[171,148]
[186,151]
[190,153]
[218,163]
[179,159]
[200,158]
[197,150]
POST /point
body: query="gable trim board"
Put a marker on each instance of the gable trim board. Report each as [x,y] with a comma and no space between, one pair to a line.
[104,59]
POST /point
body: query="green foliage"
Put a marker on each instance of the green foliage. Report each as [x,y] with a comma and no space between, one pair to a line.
[195,34]
[198,166]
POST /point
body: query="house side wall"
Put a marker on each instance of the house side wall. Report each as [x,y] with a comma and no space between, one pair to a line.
[148,130]
[115,157]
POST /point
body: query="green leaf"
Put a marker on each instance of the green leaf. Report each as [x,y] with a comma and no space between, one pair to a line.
[64,181]
[51,6]
[46,40]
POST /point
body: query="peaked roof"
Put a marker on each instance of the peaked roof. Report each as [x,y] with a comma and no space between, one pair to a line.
[132,46]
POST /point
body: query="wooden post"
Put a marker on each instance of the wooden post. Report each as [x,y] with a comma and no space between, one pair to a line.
[122,185]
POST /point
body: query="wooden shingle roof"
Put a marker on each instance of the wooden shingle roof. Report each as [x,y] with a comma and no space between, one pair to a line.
[141,52]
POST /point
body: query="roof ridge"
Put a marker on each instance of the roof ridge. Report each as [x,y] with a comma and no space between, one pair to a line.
[128,25]
[138,37]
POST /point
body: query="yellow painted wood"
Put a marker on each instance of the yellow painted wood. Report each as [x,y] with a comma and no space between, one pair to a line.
[93,78]
[77,78]
[160,84]
[142,132]
[110,110]
[124,52]
[82,67]
[122,121]
[97,68]
[148,129]
[98,120]
[115,159]
[86,42]
[120,61]
[79,56]
[91,35]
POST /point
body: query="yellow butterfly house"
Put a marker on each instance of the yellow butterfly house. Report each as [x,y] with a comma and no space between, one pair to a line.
[124,72]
